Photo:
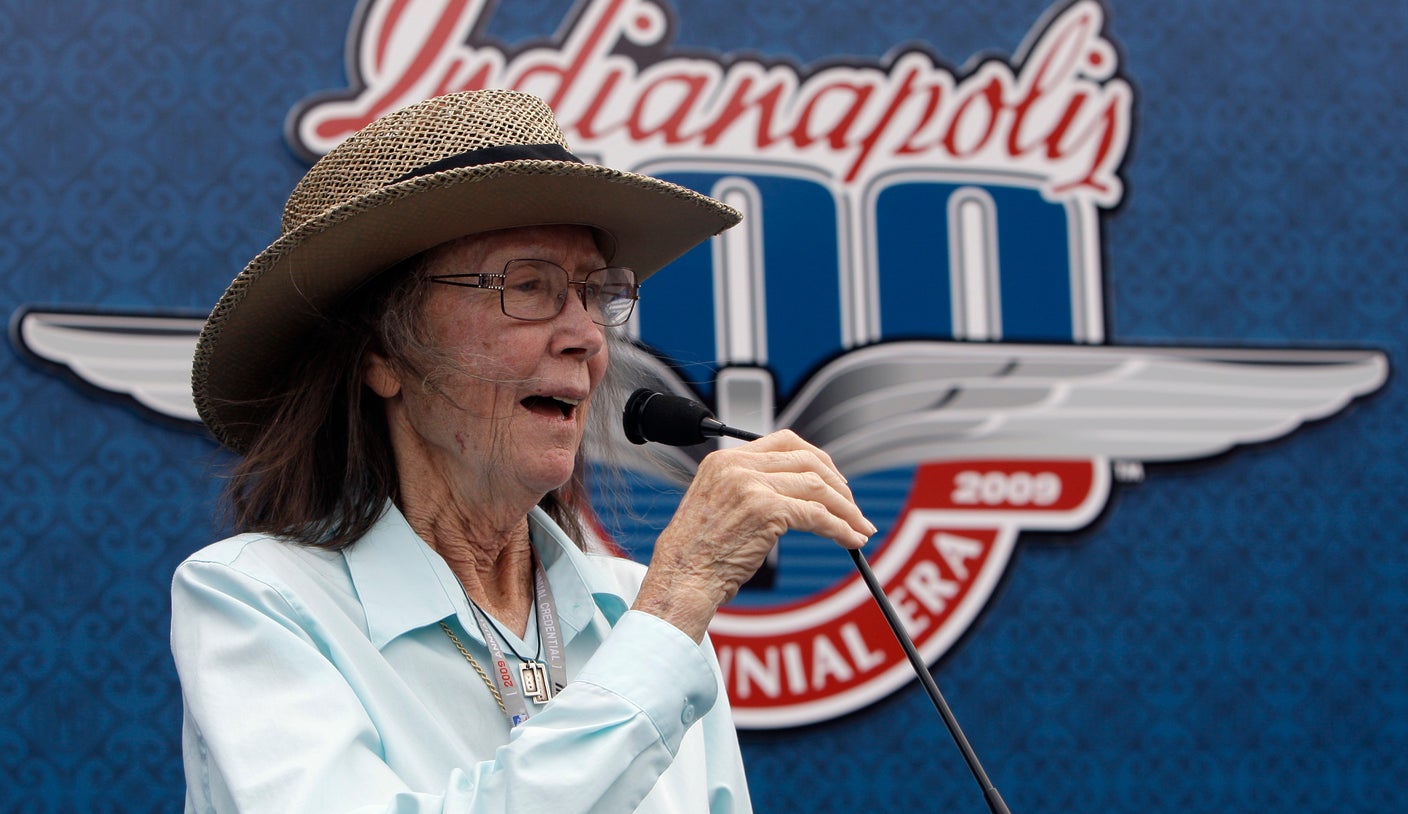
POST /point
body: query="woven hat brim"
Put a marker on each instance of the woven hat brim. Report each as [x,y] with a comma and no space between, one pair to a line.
[272,307]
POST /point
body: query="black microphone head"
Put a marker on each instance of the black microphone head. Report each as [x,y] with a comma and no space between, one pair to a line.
[665,419]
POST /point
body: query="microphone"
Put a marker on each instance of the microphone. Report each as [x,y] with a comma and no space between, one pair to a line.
[674,421]
[681,422]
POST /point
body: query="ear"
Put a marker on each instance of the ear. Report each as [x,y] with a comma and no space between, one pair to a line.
[380,376]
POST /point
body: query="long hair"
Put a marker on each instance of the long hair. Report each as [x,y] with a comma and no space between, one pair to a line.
[321,470]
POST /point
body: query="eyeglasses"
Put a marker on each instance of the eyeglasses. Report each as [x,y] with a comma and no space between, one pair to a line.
[536,290]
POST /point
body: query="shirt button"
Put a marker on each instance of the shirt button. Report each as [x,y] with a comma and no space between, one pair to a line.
[688,715]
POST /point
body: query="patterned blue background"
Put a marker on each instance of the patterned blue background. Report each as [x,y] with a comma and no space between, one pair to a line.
[1228,636]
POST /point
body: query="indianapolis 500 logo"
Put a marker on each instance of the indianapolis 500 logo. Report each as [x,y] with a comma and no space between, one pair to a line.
[916,287]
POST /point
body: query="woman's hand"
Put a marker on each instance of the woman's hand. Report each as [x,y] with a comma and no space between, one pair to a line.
[740,502]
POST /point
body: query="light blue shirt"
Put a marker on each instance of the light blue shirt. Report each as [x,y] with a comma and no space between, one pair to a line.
[321,681]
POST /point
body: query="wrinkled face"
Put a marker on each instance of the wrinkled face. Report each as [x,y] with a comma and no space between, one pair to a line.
[500,414]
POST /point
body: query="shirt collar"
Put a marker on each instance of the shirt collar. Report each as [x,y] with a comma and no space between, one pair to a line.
[403,584]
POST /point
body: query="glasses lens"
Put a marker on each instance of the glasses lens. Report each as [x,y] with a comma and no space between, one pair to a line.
[537,290]
[534,289]
[610,294]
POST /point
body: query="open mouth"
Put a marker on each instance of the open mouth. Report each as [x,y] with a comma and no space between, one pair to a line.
[551,406]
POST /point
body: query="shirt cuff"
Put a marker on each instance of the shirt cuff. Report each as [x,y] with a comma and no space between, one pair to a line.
[658,669]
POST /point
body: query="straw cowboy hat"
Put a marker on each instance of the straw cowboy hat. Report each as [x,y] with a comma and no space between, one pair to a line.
[434,171]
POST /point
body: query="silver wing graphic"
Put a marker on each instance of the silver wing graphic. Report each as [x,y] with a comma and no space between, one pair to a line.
[898,404]
[885,405]
[145,357]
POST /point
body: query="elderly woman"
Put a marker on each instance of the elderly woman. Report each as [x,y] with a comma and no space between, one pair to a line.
[407,622]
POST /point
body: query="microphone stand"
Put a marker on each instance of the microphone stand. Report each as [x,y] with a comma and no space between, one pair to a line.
[711,426]
[678,421]
[990,793]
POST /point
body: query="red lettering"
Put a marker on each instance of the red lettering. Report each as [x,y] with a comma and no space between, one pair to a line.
[586,126]
[936,97]
[567,66]
[900,96]
[959,125]
[739,104]
[1063,117]
[1109,126]
[690,90]
[432,42]
[1055,61]
[853,99]
[461,76]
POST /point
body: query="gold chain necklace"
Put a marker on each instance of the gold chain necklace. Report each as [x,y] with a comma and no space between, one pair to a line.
[499,699]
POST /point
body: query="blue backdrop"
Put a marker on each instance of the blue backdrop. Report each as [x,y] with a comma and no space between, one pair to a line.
[1228,635]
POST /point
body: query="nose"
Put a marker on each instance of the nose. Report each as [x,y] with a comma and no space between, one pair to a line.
[578,332]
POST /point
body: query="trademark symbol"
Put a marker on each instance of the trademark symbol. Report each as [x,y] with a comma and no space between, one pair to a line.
[1129,471]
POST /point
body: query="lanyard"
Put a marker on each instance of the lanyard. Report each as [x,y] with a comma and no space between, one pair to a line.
[540,681]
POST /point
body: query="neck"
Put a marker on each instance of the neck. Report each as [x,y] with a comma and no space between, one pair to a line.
[495,565]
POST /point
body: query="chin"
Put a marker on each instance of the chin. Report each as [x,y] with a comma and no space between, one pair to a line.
[549,477]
